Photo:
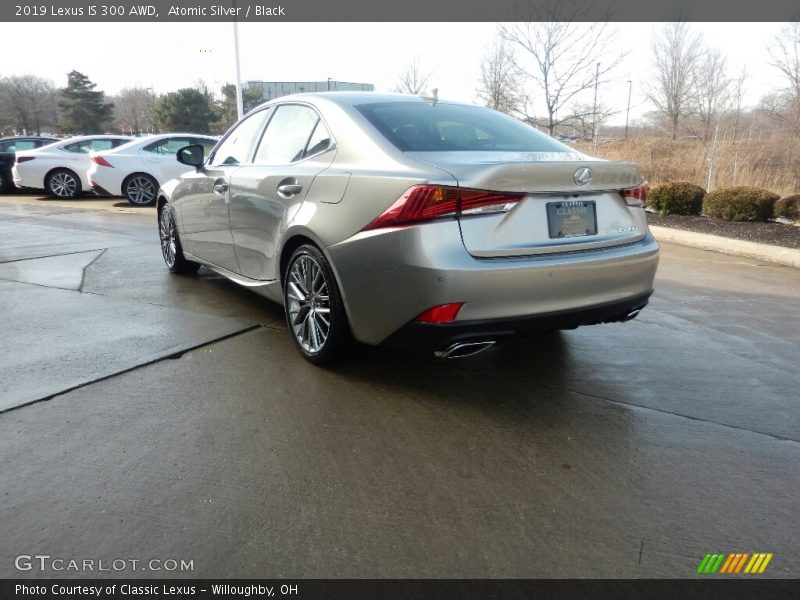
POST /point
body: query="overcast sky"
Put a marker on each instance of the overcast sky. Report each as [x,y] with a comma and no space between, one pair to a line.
[168,56]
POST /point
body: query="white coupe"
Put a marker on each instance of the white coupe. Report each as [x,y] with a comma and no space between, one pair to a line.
[60,168]
[137,169]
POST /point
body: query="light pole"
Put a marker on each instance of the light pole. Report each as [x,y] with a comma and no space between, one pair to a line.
[594,119]
[329,83]
[239,101]
[628,112]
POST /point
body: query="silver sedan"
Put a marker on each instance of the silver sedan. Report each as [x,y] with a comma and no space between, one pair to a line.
[405,221]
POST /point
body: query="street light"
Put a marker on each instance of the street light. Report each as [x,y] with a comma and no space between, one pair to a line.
[239,101]
[329,83]
[628,112]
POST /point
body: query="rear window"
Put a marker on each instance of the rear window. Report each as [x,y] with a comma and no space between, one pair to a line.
[420,127]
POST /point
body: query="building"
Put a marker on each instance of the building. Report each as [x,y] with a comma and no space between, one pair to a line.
[276,89]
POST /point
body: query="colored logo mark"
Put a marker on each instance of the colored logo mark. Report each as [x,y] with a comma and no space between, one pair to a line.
[734,563]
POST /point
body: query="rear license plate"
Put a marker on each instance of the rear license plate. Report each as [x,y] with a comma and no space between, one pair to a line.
[572,218]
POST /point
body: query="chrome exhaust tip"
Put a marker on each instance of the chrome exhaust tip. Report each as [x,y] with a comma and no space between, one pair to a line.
[464,349]
[632,315]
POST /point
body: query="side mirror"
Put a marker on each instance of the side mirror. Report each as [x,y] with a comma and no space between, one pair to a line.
[191,155]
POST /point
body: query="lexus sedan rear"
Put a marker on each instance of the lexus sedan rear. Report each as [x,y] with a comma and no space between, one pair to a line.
[398,220]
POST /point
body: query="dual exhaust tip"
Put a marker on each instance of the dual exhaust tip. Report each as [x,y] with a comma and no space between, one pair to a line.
[464,349]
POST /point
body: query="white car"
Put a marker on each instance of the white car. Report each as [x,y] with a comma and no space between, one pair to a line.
[137,169]
[60,168]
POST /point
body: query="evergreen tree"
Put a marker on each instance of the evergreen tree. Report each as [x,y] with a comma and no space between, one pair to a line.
[83,109]
[187,110]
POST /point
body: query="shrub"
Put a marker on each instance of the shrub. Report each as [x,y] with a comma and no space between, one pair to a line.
[677,197]
[788,207]
[740,203]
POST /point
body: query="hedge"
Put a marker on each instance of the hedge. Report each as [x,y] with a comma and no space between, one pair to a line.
[740,203]
[788,207]
[676,197]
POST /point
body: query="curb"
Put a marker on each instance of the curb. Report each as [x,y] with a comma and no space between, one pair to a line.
[788,257]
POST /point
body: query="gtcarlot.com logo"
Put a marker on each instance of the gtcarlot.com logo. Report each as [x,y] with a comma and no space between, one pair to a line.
[734,563]
[46,562]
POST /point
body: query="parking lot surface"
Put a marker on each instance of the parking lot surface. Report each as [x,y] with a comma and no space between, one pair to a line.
[147,415]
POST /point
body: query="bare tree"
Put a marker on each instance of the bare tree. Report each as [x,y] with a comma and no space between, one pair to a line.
[785,54]
[586,119]
[675,54]
[711,85]
[133,109]
[560,56]
[737,99]
[28,102]
[412,80]
[499,85]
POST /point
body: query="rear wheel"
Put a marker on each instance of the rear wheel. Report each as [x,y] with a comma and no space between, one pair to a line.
[140,189]
[63,183]
[314,309]
[5,182]
[171,248]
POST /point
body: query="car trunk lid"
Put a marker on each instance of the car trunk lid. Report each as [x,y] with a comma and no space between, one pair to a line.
[572,202]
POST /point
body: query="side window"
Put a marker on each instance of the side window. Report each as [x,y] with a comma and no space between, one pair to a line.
[79,147]
[7,147]
[320,140]
[235,149]
[208,145]
[25,145]
[119,142]
[104,144]
[287,135]
[169,146]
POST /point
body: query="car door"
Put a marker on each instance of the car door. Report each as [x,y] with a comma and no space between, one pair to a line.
[202,197]
[160,161]
[295,147]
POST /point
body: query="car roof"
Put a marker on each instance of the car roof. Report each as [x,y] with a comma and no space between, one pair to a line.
[356,98]
[16,138]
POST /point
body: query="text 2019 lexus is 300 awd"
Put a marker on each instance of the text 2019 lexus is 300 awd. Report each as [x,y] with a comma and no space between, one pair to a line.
[394,219]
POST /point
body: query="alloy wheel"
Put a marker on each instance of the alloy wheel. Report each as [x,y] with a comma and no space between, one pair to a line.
[308,304]
[63,185]
[166,232]
[141,190]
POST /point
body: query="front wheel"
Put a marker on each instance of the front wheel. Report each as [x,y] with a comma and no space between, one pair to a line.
[314,309]
[140,189]
[171,248]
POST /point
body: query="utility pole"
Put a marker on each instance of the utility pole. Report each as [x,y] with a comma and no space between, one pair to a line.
[594,119]
[628,111]
[239,101]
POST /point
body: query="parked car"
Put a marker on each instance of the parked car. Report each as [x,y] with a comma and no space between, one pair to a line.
[137,169]
[60,168]
[397,220]
[8,149]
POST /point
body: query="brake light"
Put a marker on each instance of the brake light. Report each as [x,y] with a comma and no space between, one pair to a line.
[427,202]
[22,159]
[636,196]
[99,160]
[444,313]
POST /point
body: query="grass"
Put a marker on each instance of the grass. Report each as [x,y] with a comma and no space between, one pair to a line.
[766,163]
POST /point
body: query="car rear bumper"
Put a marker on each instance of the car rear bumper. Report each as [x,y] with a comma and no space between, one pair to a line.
[389,277]
[429,337]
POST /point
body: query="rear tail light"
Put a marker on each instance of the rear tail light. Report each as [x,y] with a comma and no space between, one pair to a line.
[99,160]
[636,196]
[444,313]
[427,202]
[22,159]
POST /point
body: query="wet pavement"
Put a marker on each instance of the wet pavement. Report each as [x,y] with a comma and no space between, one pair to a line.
[171,417]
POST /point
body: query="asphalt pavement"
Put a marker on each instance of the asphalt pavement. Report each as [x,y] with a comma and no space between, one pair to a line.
[145,415]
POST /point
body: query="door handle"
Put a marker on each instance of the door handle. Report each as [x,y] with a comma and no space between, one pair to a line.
[220,187]
[289,189]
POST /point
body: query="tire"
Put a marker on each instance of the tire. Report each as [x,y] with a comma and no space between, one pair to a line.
[63,183]
[171,249]
[314,310]
[5,181]
[140,189]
